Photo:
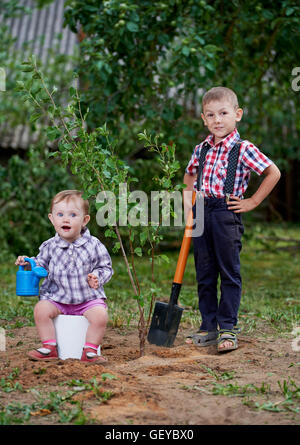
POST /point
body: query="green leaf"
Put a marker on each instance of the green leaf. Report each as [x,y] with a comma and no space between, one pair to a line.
[72,91]
[20,84]
[107,375]
[53,154]
[116,247]
[37,75]
[109,233]
[289,10]
[200,40]
[143,237]
[212,48]
[132,27]
[185,51]
[139,299]
[165,258]
[53,133]
[27,69]
[209,66]
[34,117]
[138,251]
[110,162]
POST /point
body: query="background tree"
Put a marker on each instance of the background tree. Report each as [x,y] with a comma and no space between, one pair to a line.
[92,157]
[149,62]
[145,65]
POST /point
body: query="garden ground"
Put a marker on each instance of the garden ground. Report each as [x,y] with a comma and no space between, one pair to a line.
[258,384]
[182,385]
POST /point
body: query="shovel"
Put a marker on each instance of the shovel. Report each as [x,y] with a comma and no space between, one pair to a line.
[166,316]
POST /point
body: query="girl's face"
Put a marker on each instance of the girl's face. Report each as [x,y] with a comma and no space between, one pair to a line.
[68,218]
[220,117]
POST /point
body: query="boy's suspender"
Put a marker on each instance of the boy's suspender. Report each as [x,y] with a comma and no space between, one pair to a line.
[202,157]
[231,168]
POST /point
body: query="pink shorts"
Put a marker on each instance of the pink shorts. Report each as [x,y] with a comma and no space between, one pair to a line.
[78,309]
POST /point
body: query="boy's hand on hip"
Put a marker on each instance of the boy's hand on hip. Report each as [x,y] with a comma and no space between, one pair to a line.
[93,281]
[238,205]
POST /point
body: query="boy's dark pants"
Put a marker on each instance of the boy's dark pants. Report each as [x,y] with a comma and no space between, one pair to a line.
[217,253]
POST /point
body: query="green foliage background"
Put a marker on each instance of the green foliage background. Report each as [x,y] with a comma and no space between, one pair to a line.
[148,63]
[145,65]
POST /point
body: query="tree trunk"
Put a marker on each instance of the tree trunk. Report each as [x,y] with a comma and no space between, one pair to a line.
[142,334]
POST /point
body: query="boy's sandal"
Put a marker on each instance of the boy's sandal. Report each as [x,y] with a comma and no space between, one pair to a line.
[227,336]
[203,338]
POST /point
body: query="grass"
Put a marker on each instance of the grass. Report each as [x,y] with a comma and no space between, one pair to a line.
[9,384]
[58,403]
[255,397]
[289,395]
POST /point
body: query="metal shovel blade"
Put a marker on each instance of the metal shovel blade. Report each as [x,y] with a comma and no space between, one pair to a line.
[164,325]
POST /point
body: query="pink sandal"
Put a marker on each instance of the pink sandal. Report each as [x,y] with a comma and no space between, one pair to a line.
[90,355]
[48,352]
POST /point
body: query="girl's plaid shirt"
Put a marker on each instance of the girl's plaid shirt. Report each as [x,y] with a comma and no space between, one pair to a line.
[216,161]
[68,265]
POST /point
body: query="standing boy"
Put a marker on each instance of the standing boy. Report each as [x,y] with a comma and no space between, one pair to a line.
[217,250]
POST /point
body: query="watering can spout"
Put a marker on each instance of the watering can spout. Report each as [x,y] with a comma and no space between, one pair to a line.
[28,280]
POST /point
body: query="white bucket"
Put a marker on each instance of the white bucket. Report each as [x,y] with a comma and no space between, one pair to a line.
[70,335]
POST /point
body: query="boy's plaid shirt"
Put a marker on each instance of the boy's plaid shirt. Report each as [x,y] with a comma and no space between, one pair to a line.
[68,265]
[216,161]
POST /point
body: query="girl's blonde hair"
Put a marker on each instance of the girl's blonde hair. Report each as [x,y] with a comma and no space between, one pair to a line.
[70,194]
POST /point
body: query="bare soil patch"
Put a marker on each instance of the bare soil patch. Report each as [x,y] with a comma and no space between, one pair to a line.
[167,386]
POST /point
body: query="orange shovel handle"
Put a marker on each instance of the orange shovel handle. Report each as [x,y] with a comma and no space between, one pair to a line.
[185,247]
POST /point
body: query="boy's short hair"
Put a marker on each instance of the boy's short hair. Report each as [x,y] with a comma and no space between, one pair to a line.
[69,194]
[219,93]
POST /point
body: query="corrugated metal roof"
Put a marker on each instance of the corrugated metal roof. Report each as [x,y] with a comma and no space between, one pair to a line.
[39,31]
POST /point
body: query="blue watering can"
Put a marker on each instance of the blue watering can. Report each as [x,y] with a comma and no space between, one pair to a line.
[28,281]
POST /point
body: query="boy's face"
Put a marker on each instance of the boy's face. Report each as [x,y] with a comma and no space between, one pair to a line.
[220,117]
[68,218]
